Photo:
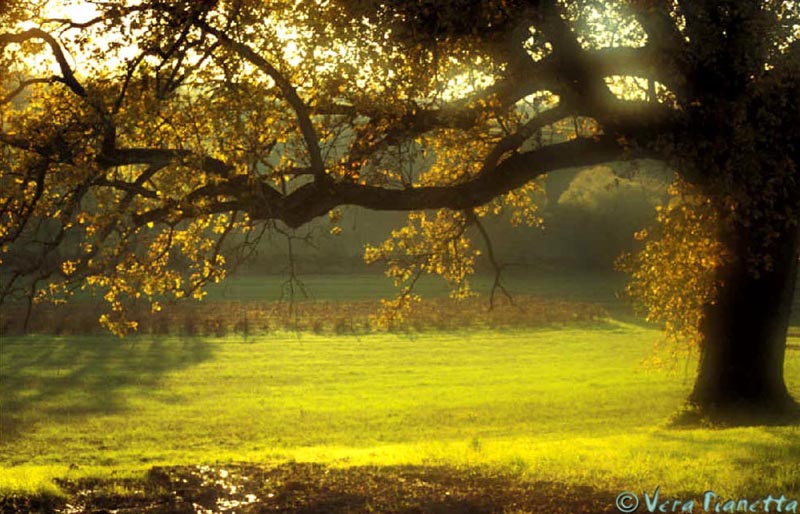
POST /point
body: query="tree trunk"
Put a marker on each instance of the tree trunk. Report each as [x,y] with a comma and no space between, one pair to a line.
[740,379]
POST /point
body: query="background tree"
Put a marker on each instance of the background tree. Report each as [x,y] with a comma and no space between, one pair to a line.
[137,138]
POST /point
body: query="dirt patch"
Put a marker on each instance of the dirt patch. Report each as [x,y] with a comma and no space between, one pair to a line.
[312,488]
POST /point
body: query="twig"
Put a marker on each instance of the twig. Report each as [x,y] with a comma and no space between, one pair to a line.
[496,266]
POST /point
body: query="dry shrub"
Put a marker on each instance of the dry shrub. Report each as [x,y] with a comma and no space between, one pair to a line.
[189,325]
[216,319]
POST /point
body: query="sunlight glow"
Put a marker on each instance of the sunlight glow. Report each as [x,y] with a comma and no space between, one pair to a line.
[294,47]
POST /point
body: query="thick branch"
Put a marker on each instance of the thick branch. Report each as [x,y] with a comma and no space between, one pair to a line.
[15,141]
[316,199]
[310,201]
[654,17]
[538,76]
[579,78]
[162,157]
[547,74]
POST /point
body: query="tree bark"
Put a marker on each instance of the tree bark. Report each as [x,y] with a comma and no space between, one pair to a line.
[740,378]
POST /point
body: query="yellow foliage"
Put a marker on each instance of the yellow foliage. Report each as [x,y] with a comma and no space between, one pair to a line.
[673,274]
[433,246]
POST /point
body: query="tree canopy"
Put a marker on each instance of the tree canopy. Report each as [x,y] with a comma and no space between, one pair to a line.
[137,137]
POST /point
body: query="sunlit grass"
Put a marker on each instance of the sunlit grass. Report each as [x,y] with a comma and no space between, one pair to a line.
[572,405]
[31,480]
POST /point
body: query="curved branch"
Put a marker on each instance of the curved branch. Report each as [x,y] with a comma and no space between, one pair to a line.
[513,141]
[288,90]
[69,24]
[24,85]
[310,201]
[546,75]
[316,199]
[66,71]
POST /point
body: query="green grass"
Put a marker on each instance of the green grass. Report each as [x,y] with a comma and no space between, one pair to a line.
[572,405]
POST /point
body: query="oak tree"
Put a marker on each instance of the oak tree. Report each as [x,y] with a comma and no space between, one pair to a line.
[138,136]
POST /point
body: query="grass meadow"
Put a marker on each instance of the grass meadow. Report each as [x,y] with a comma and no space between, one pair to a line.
[573,403]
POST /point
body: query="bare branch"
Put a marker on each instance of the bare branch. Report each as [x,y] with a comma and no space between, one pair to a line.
[496,267]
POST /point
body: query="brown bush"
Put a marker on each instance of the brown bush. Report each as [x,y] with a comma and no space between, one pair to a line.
[216,319]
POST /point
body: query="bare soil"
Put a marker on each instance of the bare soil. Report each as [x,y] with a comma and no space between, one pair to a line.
[312,488]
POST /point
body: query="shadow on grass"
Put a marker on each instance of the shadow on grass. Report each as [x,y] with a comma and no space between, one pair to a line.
[50,378]
[776,457]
